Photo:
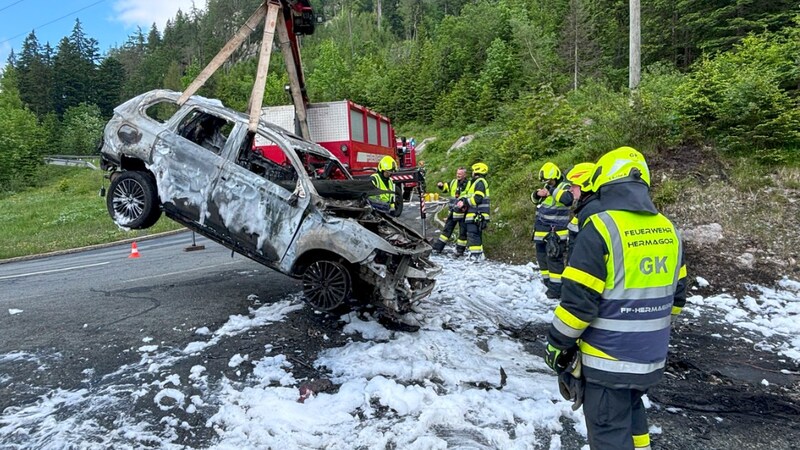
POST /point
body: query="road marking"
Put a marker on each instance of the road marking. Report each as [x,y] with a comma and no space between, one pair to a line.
[54,270]
[180,272]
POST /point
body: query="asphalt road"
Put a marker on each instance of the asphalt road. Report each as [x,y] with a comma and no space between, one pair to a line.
[93,308]
[78,321]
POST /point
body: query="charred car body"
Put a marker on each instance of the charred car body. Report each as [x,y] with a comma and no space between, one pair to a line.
[297,211]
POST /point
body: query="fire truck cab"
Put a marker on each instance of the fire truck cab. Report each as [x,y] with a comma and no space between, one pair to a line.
[406,151]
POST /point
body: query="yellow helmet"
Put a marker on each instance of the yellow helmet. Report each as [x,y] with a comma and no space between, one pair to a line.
[620,164]
[549,171]
[480,168]
[387,164]
[581,175]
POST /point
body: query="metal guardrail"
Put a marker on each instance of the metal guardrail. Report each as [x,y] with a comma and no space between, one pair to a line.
[69,160]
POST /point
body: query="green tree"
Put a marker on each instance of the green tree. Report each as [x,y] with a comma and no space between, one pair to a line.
[81,129]
[131,55]
[21,138]
[682,31]
[746,99]
[109,85]
[51,129]
[462,42]
[75,63]
[35,76]
[329,77]
[578,49]
[411,12]
[535,43]
[495,80]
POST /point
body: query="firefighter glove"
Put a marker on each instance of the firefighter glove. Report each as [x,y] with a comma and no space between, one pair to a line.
[552,245]
[557,359]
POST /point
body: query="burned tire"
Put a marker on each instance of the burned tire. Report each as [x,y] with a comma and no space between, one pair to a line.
[407,193]
[398,199]
[132,200]
[327,286]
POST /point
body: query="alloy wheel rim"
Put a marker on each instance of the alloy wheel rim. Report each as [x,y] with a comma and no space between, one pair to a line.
[326,285]
[129,199]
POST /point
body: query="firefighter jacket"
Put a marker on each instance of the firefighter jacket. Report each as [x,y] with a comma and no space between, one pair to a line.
[386,199]
[624,281]
[477,196]
[553,213]
[455,189]
[574,225]
[572,229]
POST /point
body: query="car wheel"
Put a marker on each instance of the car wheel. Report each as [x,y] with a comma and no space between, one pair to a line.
[407,192]
[132,200]
[398,199]
[327,285]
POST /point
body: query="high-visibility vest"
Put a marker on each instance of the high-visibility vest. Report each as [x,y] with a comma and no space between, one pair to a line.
[386,197]
[552,212]
[456,193]
[629,338]
[474,207]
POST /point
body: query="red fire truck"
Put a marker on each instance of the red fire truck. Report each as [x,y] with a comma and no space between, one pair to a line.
[356,135]
[409,174]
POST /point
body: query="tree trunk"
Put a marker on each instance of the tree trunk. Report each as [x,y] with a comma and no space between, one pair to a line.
[575,76]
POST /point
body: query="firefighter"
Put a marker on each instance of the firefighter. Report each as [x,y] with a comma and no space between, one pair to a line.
[625,279]
[459,185]
[550,228]
[476,202]
[383,181]
[580,181]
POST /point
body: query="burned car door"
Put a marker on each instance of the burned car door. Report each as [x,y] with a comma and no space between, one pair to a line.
[188,157]
[260,198]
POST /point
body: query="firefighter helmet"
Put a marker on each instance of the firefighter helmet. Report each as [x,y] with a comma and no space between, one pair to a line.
[581,175]
[480,168]
[549,171]
[387,164]
[622,164]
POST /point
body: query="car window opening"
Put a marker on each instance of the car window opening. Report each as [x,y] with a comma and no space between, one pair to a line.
[162,110]
[270,164]
[206,130]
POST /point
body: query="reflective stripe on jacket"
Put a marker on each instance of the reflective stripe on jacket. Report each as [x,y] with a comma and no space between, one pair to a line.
[554,210]
[477,196]
[624,280]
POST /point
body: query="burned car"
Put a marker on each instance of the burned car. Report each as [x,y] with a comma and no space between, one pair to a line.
[289,205]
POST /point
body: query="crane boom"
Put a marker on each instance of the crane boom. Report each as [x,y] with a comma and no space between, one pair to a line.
[289,18]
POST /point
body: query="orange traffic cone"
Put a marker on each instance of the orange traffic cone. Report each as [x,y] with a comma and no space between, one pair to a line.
[134,251]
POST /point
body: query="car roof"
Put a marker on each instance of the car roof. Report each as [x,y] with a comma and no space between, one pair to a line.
[216,105]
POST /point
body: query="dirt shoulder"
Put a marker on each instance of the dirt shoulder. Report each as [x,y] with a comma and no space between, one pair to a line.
[739,223]
[719,392]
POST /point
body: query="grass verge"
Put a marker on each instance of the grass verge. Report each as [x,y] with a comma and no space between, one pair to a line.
[63,212]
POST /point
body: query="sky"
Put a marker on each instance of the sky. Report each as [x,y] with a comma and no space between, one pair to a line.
[110,22]
[408,390]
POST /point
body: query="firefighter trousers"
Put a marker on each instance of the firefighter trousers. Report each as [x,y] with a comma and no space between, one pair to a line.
[551,268]
[615,418]
[449,226]
[475,238]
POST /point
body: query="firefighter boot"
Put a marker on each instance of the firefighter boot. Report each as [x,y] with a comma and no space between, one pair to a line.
[553,290]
